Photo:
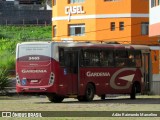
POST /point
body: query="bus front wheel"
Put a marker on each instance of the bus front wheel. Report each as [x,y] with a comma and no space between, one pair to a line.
[55,98]
[89,93]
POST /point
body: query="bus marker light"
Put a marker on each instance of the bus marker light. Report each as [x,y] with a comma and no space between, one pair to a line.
[17,79]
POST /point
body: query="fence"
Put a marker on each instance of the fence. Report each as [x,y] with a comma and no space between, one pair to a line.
[25,17]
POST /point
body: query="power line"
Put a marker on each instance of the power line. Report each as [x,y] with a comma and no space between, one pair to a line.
[101,29]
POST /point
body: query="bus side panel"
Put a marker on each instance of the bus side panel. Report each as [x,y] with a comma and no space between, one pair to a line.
[109,80]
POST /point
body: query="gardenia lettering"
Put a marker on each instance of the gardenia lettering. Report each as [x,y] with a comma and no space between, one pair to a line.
[97,74]
[34,71]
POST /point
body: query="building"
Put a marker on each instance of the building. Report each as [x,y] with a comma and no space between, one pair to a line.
[123,21]
[154,27]
[154,30]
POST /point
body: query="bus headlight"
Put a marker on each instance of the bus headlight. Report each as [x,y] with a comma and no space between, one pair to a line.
[17,79]
[52,77]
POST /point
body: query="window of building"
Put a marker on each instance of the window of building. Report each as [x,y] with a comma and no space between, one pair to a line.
[158,2]
[54,2]
[54,31]
[144,28]
[77,29]
[112,26]
[110,0]
[121,25]
[76,1]
[153,3]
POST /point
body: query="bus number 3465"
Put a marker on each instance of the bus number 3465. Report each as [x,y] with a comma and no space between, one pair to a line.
[34,58]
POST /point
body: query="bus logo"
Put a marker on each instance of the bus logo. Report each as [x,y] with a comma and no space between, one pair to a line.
[97,74]
[34,71]
[128,78]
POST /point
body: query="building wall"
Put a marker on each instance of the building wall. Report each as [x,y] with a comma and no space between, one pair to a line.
[63,20]
[154,18]
[97,20]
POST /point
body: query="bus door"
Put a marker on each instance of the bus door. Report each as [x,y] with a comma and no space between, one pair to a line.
[147,71]
[71,71]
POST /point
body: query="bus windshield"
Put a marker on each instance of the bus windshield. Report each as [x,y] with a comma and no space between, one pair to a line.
[34,52]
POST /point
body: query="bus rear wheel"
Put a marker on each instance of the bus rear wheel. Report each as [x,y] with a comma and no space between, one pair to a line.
[133,92]
[89,93]
[81,98]
[103,97]
[55,98]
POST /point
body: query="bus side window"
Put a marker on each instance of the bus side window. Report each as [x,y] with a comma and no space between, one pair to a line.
[138,59]
[90,58]
[121,58]
[61,56]
[84,58]
[106,58]
[94,58]
[131,58]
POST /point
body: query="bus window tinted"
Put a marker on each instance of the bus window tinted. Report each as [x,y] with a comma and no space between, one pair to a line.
[90,58]
[121,58]
[93,58]
[106,58]
[138,59]
[61,56]
[131,58]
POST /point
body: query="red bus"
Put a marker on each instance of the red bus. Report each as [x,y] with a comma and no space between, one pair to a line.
[81,70]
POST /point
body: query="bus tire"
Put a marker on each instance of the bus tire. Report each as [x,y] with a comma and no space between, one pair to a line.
[103,97]
[133,92]
[55,98]
[81,98]
[89,93]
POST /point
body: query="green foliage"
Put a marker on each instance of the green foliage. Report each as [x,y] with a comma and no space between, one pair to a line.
[11,35]
[4,81]
[25,33]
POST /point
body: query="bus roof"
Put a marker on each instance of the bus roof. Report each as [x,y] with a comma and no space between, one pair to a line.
[90,45]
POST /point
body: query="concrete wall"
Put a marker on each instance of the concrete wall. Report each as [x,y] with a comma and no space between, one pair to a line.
[15,14]
[19,17]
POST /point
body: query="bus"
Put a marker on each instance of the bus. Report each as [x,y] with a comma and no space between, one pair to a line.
[82,70]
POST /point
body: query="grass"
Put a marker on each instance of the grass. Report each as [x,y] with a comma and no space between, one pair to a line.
[24,33]
[122,103]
